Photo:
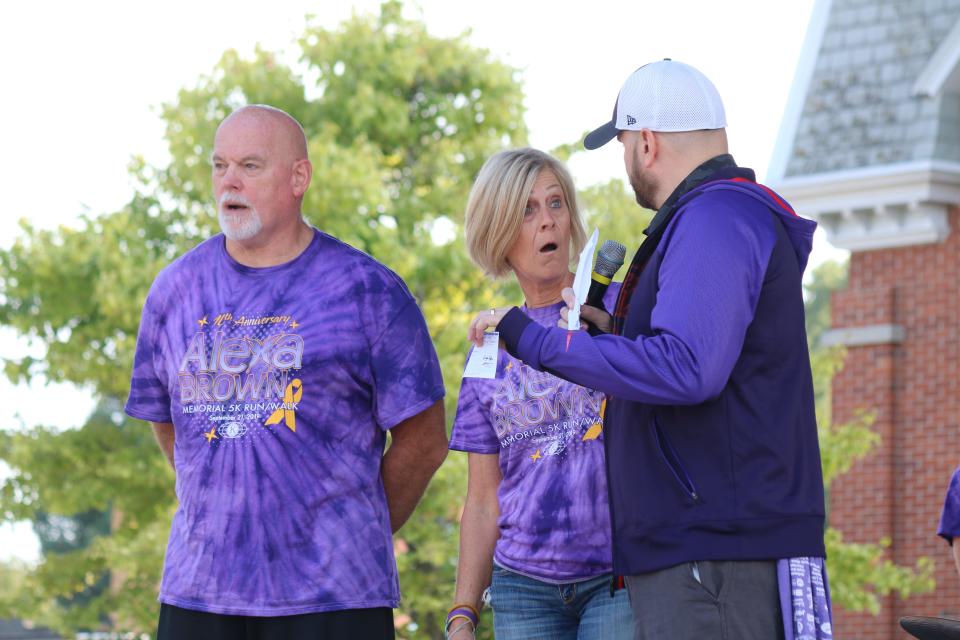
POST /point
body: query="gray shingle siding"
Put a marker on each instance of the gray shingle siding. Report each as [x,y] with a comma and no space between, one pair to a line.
[859,110]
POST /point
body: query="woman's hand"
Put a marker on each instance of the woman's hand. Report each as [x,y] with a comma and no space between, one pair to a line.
[597,317]
[488,319]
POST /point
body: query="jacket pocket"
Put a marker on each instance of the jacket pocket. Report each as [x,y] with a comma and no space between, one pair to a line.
[670,458]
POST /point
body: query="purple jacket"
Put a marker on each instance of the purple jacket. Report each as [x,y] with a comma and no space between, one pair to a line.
[712,449]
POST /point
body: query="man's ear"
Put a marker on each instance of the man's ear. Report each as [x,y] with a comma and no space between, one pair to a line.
[649,147]
[300,177]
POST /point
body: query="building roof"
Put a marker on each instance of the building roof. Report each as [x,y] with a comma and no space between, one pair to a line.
[862,106]
[870,141]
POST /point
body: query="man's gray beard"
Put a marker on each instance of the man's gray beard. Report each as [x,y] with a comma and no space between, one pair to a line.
[239,228]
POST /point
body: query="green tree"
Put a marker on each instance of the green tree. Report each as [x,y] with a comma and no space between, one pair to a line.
[827,277]
[107,465]
[13,578]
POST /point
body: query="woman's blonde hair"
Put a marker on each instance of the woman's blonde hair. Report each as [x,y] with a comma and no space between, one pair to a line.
[498,200]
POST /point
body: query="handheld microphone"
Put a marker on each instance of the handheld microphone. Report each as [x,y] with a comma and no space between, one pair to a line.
[609,260]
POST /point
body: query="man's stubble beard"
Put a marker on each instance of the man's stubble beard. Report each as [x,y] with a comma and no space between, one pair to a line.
[644,186]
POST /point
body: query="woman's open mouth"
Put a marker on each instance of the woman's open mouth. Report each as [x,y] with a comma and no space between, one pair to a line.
[550,247]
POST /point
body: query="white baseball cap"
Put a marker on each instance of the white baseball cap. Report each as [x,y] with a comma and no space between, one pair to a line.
[662,96]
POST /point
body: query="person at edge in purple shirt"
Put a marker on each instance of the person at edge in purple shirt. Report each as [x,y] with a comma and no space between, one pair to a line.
[271,360]
[536,515]
[950,517]
[716,489]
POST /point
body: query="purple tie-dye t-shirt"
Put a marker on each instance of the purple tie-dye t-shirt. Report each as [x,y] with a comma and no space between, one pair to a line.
[554,511]
[281,383]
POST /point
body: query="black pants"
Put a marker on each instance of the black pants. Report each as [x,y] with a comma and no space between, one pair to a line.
[731,600]
[349,624]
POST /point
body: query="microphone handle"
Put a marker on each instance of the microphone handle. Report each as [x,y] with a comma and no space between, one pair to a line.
[595,299]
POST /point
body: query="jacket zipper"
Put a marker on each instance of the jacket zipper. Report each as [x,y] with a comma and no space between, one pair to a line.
[673,462]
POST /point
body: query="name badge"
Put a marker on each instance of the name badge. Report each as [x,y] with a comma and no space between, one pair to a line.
[483,360]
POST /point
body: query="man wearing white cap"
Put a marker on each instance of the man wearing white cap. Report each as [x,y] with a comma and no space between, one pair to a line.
[715,483]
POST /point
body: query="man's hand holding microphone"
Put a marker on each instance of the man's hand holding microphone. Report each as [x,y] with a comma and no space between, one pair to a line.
[593,316]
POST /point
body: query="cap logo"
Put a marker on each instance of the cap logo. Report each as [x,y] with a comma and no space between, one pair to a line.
[631,120]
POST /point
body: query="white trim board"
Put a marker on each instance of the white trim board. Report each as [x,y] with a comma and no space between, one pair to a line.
[881,207]
[863,336]
[941,65]
[885,185]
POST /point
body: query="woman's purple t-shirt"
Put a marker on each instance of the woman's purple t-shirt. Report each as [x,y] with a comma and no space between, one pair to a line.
[554,512]
[281,383]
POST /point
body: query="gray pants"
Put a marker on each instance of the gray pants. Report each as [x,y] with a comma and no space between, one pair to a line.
[708,600]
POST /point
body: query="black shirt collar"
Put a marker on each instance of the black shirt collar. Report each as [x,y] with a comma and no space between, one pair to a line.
[722,167]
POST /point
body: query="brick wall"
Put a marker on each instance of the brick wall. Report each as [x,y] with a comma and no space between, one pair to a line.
[914,390]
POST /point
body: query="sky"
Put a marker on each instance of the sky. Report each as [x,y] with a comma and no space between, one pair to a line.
[83,83]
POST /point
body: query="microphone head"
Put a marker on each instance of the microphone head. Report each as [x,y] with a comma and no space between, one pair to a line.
[610,258]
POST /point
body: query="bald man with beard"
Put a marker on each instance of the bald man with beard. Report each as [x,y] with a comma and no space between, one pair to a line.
[271,361]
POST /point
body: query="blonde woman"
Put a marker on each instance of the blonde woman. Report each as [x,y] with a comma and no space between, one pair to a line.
[536,522]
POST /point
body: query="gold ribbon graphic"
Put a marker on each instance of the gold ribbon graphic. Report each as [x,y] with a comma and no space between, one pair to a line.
[287,413]
[594,431]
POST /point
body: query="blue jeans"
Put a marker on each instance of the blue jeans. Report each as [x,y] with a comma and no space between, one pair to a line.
[529,609]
